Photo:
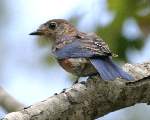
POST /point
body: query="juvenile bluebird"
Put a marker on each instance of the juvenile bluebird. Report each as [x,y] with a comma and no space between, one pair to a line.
[81,54]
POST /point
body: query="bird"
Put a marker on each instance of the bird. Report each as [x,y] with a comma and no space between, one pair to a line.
[82,54]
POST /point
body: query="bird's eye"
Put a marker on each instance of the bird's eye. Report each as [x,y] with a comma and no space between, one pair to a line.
[52,25]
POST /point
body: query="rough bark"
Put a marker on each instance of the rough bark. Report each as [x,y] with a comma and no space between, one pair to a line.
[9,103]
[93,99]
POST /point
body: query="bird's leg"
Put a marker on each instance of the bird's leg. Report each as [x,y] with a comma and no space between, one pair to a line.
[76,80]
[78,77]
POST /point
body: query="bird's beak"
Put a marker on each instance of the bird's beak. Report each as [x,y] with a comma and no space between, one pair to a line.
[38,32]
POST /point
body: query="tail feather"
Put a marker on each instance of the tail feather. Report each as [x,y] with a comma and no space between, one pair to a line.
[108,70]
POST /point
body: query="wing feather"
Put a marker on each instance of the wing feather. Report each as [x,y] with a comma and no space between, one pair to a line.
[86,46]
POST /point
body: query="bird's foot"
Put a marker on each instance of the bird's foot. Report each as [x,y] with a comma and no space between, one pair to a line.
[63,90]
[76,80]
[83,82]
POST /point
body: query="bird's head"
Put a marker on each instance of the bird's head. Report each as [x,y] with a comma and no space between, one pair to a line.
[55,28]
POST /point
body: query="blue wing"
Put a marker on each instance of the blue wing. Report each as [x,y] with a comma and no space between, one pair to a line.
[108,70]
[73,50]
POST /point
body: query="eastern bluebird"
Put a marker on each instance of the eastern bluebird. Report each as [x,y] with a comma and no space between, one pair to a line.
[81,54]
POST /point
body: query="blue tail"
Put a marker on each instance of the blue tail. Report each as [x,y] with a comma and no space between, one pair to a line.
[108,70]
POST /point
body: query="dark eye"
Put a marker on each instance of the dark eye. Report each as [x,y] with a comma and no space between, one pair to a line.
[52,25]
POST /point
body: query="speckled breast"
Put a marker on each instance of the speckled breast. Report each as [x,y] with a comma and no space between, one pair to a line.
[78,66]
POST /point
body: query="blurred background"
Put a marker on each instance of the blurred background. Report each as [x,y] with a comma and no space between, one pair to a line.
[28,71]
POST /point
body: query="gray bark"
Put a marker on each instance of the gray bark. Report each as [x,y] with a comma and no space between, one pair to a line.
[93,99]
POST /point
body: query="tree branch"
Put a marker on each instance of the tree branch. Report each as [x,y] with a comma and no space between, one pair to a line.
[93,99]
[9,103]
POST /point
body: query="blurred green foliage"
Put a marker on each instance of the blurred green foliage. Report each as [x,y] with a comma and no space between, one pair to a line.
[112,33]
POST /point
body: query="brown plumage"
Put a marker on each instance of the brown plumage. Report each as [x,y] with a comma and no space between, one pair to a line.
[80,53]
